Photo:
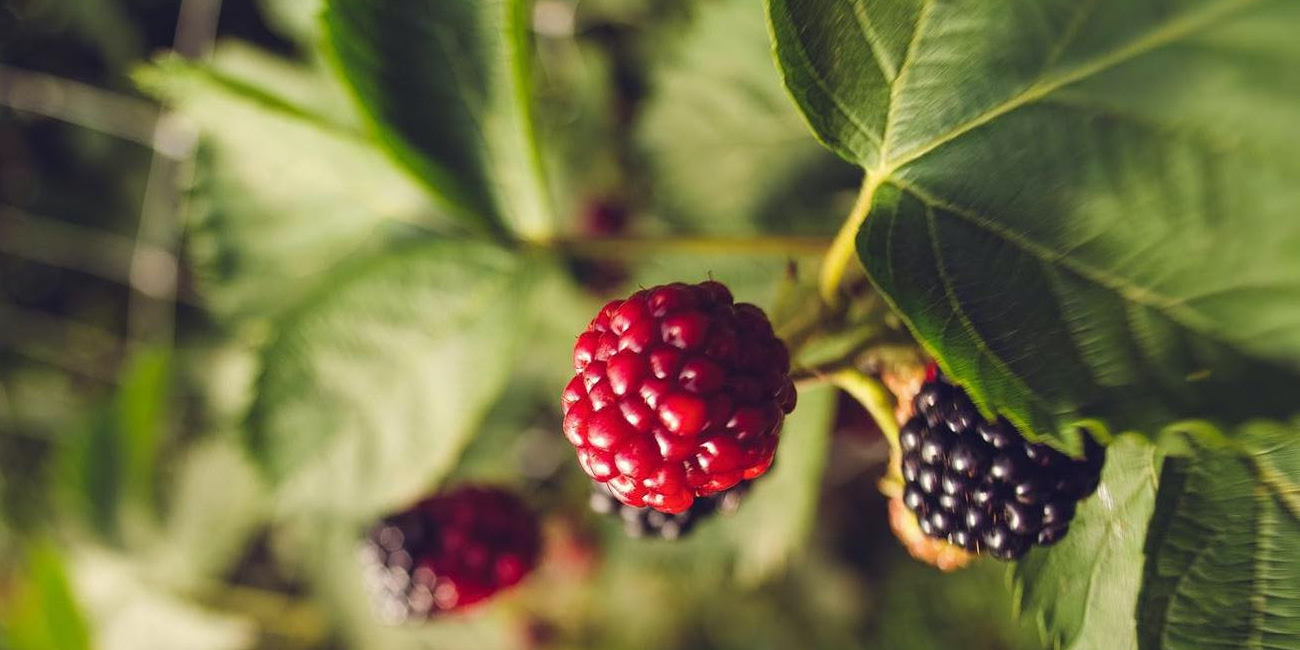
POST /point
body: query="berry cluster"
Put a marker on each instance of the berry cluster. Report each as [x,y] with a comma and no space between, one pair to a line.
[980,485]
[678,393]
[449,552]
[648,522]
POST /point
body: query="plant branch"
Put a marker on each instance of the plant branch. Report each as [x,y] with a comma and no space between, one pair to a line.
[879,402]
[875,397]
[843,249]
[622,247]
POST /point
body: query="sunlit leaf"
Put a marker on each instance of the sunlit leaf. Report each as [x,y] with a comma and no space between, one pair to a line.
[448,87]
[39,611]
[370,390]
[1084,209]
[286,186]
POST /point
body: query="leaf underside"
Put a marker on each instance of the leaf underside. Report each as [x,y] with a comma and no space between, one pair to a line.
[1085,210]
[1224,548]
[1085,588]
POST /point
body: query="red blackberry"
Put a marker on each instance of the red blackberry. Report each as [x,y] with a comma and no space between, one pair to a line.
[449,552]
[648,522]
[980,485]
[678,393]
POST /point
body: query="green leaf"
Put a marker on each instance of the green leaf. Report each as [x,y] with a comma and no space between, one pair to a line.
[38,610]
[217,502]
[1083,590]
[371,389]
[126,610]
[286,186]
[924,609]
[778,515]
[297,19]
[111,468]
[730,154]
[448,87]
[1223,567]
[1084,209]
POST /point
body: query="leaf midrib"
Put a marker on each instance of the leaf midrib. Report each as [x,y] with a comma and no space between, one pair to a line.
[1176,309]
[1165,34]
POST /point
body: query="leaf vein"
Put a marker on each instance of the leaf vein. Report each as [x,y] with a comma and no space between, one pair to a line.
[960,315]
[887,67]
[1175,309]
[1167,33]
[897,85]
[825,89]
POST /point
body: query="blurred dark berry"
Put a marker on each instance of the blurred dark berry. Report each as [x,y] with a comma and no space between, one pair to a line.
[648,522]
[449,552]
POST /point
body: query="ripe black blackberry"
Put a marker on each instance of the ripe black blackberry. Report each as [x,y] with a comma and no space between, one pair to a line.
[648,522]
[980,485]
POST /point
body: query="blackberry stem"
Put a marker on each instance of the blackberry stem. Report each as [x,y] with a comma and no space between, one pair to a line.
[622,247]
[842,250]
[874,397]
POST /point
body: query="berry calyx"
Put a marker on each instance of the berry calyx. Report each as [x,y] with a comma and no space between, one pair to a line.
[678,393]
[449,552]
[981,485]
[648,522]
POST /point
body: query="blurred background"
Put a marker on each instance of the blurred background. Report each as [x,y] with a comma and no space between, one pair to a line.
[180,182]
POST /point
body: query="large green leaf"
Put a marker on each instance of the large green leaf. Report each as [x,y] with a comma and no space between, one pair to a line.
[1086,210]
[1083,590]
[370,390]
[286,186]
[1223,568]
[448,86]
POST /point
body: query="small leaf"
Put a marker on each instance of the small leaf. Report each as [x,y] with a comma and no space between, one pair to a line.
[1085,210]
[1083,590]
[111,468]
[779,514]
[1223,567]
[38,610]
[448,86]
[371,389]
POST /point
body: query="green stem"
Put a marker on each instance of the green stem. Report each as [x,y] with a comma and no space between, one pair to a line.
[873,396]
[622,247]
[843,249]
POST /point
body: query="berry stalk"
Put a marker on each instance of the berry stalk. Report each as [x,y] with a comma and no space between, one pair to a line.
[843,249]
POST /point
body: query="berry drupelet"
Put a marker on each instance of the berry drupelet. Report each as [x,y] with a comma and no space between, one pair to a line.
[648,522]
[678,393]
[449,552]
[980,485]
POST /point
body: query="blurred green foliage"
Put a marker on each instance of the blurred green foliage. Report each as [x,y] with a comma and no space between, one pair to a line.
[328,326]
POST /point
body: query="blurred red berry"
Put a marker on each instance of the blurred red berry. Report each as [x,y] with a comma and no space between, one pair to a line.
[449,552]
